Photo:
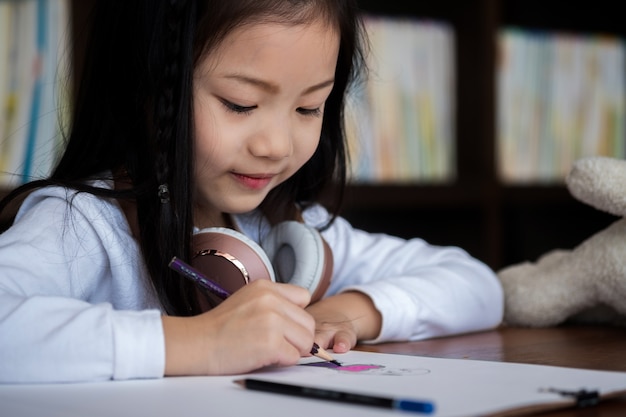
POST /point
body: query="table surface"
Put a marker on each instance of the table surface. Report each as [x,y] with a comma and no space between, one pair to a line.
[576,346]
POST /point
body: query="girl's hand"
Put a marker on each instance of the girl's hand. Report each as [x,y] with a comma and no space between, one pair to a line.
[344,319]
[264,323]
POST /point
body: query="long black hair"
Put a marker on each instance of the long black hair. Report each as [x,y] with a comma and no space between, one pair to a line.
[132,119]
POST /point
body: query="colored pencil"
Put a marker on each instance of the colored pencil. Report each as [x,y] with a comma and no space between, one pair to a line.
[417,406]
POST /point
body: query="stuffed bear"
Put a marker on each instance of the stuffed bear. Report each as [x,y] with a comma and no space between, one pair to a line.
[586,284]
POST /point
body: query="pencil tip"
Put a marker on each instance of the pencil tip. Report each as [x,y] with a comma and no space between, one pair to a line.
[241,382]
[335,362]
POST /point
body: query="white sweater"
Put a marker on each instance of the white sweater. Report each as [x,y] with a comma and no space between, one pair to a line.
[76,303]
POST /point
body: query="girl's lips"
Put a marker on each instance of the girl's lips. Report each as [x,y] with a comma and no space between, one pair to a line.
[253,181]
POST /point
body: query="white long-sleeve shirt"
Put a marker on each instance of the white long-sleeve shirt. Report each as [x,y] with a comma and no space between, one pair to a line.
[76,303]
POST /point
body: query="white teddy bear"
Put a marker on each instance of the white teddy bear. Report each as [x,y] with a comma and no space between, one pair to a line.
[588,283]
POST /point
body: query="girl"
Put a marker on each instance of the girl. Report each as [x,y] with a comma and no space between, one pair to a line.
[194,114]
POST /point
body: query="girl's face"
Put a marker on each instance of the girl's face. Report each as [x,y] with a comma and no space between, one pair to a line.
[258,107]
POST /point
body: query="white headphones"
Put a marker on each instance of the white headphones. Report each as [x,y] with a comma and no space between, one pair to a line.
[292,252]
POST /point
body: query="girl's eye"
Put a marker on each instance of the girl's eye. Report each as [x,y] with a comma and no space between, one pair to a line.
[310,112]
[236,108]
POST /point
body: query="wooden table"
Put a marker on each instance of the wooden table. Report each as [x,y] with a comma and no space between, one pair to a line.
[588,347]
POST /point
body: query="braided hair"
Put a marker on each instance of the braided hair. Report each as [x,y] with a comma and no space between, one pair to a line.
[167,211]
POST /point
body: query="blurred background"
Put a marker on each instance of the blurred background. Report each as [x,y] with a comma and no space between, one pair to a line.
[463,134]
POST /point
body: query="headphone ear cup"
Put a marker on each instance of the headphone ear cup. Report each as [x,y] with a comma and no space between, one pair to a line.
[300,256]
[229,258]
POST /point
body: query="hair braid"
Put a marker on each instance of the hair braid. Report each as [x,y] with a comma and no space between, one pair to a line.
[165,103]
[166,229]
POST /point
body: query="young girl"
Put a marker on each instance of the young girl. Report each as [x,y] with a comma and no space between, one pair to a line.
[194,114]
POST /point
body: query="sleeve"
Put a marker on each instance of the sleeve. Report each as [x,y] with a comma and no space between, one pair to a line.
[58,320]
[422,291]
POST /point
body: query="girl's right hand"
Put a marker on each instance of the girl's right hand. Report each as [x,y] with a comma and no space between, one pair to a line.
[264,323]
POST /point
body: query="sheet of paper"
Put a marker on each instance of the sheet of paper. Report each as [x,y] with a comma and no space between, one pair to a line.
[458,387]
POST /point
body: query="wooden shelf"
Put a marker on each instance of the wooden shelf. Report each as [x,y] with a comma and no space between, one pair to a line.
[601,16]
[411,196]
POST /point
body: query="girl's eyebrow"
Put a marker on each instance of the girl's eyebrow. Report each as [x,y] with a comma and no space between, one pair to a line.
[272,87]
[319,86]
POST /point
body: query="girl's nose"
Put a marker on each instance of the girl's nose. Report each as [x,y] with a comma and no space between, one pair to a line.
[273,141]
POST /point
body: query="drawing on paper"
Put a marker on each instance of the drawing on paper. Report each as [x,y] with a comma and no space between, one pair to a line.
[369,369]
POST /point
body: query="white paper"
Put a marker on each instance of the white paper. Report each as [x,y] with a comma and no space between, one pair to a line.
[458,387]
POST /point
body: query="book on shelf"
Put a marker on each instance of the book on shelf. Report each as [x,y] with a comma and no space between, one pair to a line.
[561,97]
[34,77]
[400,121]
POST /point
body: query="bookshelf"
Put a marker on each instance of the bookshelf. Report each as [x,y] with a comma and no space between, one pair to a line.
[498,223]
[41,42]
[495,221]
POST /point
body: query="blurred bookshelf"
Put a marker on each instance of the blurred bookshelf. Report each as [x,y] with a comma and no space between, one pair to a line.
[41,47]
[34,76]
[443,176]
[502,211]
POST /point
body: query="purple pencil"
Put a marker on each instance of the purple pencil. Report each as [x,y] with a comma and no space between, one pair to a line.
[198,277]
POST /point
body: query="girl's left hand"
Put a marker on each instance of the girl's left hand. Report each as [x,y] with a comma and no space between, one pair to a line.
[344,319]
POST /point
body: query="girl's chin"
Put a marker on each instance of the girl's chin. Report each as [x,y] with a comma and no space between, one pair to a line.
[240,207]
[229,203]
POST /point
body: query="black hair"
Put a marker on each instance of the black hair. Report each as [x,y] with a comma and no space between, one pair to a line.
[132,118]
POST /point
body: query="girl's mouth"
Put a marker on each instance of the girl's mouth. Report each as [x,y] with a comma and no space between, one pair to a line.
[253,181]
